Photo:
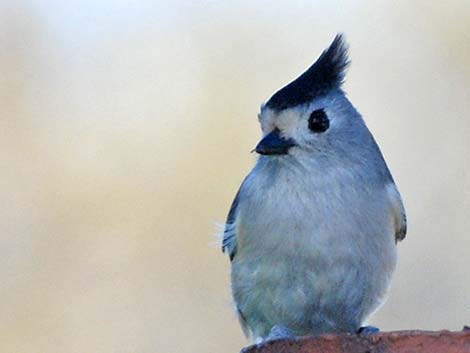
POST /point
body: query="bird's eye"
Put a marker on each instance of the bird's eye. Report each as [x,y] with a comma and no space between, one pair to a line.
[318,121]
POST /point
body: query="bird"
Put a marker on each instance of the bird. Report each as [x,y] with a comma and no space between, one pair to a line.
[313,230]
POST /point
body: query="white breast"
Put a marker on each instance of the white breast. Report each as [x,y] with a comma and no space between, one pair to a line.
[314,254]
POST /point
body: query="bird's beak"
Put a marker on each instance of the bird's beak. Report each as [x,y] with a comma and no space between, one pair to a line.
[273,143]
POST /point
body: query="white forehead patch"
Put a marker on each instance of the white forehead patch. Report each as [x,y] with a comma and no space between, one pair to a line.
[286,120]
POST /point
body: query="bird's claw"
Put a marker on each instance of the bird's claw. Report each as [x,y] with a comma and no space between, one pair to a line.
[368,330]
[279,332]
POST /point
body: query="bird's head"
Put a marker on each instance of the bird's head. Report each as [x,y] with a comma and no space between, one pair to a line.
[311,115]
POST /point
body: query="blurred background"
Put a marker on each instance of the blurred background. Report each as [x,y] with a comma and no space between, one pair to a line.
[125,131]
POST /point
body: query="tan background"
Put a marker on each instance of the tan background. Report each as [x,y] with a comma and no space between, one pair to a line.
[125,130]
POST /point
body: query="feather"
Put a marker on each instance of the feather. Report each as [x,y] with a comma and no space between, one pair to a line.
[325,74]
[229,242]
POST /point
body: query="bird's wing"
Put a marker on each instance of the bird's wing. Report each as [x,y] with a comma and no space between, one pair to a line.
[229,242]
[398,212]
[229,245]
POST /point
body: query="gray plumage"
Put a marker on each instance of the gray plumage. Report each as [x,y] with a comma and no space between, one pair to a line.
[312,231]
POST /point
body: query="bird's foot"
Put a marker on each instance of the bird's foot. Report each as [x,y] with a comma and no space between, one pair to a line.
[368,330]
[279,332]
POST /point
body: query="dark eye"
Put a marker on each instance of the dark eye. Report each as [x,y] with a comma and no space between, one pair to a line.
[318,121]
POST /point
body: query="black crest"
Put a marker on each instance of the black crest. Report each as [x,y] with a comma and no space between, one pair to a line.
[324,75]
